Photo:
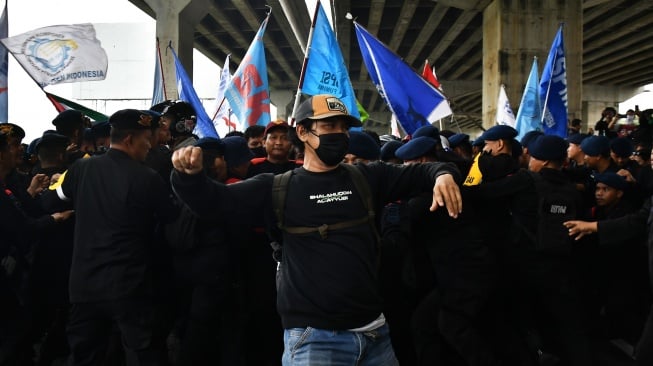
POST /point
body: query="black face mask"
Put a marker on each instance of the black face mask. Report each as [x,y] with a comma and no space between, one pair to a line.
[333,147]
[259,152]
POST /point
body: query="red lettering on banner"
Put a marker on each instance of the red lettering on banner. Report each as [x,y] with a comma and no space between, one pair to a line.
[253,102]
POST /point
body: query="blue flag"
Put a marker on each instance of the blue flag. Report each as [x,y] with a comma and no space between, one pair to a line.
[248,92]
[410,97]
[553,90]
[529,115]
[326,72]
[158,92]
[204,126]
[4,68]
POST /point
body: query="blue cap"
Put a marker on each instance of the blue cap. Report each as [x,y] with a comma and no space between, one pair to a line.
[499,132]
[416,147]
[389,149]
[210,143]
[458,139]
[479,142]
[577,138]
[236,151]
[548,147]
[612,179]
[622,147]
[428,131]
[595,146]
[363,146]
[529,137]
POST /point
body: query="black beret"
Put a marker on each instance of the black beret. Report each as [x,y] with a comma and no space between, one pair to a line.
[12,130]
[416,147]
[516,148]
[529,137]
[595,146]
[236,151]
[622,147]
[51,139]
[548,147]
[577,138]
[612,179]
[210,143]
[499,132]
[69,117]
[458,139]
[363,146]
[131,119]
[101,129]
[388,150]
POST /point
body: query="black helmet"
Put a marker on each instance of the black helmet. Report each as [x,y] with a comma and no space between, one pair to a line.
[182,114]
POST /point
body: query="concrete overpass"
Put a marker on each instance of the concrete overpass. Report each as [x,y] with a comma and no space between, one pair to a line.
[474,45]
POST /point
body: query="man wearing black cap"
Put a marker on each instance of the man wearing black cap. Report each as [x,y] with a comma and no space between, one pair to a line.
[328,295]
[181,119]
[118,201]
[71,123]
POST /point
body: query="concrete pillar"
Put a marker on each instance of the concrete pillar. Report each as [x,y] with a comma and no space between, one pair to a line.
[514,31]
[281,98]
[175,24]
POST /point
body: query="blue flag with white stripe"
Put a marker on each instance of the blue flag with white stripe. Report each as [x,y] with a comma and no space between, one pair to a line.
[553,90]
[410,97]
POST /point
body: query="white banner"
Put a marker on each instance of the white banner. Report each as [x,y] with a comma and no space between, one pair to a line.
[60,54]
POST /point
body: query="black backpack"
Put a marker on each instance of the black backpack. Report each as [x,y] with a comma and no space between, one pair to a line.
[556,203]
[280,189]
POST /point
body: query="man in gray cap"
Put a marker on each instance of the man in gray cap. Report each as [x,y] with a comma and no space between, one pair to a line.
[328,294]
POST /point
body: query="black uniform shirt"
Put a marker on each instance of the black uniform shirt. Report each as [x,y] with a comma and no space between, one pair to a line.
[117,203]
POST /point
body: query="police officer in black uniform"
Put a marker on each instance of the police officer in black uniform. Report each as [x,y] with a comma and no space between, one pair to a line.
[118,201]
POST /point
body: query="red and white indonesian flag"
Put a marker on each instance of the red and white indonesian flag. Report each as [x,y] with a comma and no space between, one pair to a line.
[60,54]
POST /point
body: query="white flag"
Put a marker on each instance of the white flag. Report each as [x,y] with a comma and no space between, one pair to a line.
[504,112]
[60,54]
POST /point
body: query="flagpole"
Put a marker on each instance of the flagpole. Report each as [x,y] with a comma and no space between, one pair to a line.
[548,88]
[163,78]
[302,74]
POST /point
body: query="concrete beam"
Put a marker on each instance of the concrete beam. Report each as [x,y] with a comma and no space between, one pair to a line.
[288,30]
[372,26]
[296,17]
[400,28]
[477,5]
[435,18]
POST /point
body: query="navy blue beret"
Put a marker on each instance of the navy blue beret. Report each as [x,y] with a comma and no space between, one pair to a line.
[363,146]
[516,148]
[416,147]
[236,151]
[458,139]
[548,147]
[622,147]
[577,138]
[389,149]
[529,137]
[210,143]
[612,179]
[479,142]
[156,117]
[499,132]
[132,119]
[69,117]
[101,129]
[595,146]
[428,131]
[50,139]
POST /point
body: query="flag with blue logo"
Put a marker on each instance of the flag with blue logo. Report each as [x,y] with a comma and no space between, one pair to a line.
[204,126]
[529,115]
[553,90]
[410,97]
[59,54]
[326,72]
[158,92]
[248,92]
[4,68]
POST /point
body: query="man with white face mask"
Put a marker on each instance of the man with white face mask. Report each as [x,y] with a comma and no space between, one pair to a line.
[328,296]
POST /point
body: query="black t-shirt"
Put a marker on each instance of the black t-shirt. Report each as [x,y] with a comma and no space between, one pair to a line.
[117,203]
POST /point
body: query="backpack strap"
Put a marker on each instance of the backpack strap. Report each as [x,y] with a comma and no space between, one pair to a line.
[280,189]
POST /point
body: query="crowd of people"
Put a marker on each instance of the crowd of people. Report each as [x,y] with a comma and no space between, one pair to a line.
[132,241]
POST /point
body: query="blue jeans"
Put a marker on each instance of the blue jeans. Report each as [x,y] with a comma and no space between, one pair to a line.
[319,347]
